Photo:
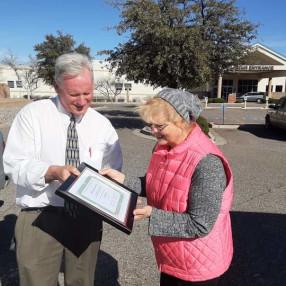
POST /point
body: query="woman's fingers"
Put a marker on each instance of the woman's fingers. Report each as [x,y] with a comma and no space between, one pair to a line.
[144,212]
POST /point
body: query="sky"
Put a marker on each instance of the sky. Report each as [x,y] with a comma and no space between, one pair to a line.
[24,23]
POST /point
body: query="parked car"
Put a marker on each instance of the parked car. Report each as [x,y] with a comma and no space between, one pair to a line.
[276,114]
[253,96]
[3,178]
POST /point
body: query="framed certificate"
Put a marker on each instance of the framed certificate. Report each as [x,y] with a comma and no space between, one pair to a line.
[113,201]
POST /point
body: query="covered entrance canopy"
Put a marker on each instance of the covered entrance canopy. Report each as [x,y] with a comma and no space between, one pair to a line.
[268,75]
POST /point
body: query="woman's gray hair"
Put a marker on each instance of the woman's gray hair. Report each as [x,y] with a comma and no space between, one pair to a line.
[71,65]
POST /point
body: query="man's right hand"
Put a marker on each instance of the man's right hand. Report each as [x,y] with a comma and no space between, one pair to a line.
[60,173]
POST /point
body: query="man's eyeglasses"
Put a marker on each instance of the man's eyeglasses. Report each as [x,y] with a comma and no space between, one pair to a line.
[158,126]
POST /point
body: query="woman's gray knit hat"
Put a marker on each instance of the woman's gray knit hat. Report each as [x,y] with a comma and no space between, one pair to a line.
[185,103]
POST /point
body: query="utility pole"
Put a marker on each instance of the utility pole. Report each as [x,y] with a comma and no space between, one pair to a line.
[128,87]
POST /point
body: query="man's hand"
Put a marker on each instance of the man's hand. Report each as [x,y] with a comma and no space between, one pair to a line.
[113,174]
[60,173]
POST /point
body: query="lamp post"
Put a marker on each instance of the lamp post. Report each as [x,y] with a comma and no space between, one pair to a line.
[206,101]
[245,100]
[118,86]
[128,87]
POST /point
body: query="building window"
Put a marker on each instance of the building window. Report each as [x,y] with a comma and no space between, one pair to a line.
[19,83]
[227,87]
[278,88]
[245,86]
[11,84]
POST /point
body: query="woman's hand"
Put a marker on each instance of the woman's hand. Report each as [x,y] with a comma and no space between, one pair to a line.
[143,212]
[113,174]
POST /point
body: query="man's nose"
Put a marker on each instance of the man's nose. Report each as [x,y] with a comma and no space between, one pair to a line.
[81,100]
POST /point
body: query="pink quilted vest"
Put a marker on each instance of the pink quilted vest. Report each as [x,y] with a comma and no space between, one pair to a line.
[167,185]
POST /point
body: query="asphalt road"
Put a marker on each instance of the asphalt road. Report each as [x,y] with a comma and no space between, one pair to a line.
[258,212]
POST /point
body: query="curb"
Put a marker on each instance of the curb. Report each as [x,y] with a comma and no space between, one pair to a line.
[144,133]
[235,107]
[224,126]
[217,139]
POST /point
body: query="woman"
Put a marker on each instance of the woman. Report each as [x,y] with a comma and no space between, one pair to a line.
[189,190]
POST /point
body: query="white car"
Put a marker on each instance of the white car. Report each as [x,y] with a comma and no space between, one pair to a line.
[276,115]
[254,96]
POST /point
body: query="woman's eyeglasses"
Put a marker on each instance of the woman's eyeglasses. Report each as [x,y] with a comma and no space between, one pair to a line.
[158,126]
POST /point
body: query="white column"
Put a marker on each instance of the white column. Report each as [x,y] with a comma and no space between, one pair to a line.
[269,87]
[219,87]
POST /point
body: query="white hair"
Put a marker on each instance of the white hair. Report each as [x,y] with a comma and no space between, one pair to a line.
[71,65]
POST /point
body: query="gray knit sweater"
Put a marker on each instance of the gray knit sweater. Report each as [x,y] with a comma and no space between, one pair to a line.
[205,197]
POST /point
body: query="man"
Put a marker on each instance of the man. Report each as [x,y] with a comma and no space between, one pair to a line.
[35,158]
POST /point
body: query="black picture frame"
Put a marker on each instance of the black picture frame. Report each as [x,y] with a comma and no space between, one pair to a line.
[113,201]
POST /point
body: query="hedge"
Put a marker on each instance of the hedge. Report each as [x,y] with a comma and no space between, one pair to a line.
[203,123]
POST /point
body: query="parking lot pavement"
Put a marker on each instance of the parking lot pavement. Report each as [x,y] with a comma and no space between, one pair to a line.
[126,260]
[258,213]
[234,114]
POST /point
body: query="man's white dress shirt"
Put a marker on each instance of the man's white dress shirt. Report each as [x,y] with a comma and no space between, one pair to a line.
[37,140]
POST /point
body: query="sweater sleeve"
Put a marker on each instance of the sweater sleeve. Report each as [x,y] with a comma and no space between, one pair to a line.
[205,197]
[136,184]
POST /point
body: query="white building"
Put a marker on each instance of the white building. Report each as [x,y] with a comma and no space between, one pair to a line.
[269,70]
[18,90]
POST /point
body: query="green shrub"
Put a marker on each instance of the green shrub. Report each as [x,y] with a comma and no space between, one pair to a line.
[273,100]
[216,100]
[239,101]
[203,123]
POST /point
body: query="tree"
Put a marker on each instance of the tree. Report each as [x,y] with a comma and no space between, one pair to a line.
[107,86]
[27,73]
[12,61]
[51,48]
[30,76]
[179,43]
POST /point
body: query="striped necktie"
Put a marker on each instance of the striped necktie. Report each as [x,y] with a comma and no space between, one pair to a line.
[72,159]
[72,148]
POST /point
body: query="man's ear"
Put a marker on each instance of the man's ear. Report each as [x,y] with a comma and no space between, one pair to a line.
[56,87]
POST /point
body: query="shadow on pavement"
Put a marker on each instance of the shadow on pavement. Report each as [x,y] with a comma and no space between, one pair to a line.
[259,249]
[106,270]
[260,131]
[121,119]
[119,123]
[259,255]
[120,113]
[8,265]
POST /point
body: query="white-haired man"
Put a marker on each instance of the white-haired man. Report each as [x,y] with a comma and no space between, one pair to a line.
[35,159]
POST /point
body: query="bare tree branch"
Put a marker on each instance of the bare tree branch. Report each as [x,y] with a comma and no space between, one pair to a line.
[27,74]
[107,87]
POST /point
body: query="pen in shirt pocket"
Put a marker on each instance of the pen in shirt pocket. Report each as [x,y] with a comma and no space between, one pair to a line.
[90,152]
